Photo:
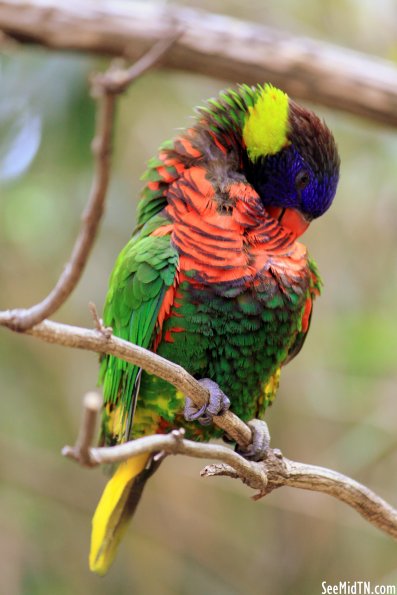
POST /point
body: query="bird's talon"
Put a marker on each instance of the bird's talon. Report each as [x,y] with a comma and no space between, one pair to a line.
[217,404]
[257,450]
[191,412]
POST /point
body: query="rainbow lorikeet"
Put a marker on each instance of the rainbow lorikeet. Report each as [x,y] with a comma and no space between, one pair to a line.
[213,277]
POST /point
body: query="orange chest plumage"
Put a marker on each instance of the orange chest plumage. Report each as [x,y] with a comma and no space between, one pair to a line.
[230,239]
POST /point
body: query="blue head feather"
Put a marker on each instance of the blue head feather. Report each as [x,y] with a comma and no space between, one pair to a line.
[304,174]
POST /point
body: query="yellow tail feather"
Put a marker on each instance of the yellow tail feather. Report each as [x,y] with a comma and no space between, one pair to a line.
[113,512]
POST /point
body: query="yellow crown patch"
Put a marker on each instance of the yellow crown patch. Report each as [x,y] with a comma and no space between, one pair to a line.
[266,125]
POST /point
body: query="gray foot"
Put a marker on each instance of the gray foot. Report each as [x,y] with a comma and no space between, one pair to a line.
[218,403]
[259,446]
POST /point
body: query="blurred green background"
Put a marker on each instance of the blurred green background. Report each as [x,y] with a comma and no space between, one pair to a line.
[337,401]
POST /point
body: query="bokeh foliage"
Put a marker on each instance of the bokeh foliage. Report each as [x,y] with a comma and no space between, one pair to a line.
[336,405]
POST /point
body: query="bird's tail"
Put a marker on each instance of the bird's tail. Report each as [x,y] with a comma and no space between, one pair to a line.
[115,508]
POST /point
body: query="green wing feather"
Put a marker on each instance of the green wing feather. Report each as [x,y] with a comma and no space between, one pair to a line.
[314,291]
[143,272]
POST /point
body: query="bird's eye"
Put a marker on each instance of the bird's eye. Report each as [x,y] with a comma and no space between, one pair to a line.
[302,179]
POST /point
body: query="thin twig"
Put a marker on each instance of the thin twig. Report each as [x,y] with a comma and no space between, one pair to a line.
[118,80]
[272,473]
[105,87]
[92,404]
[373,508]
[24,319]
[281,471]
[98,321]
[173,443]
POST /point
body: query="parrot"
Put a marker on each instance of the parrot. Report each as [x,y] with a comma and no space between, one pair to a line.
[213,279]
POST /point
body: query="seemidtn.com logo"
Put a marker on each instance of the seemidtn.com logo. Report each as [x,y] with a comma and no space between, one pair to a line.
[357,588]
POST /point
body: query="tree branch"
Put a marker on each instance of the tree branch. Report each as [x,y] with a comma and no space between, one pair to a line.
[100,342]
[104,87]
[276,471]
[118,80]
[213,45]
[92,404]
[273,472]
[22,319]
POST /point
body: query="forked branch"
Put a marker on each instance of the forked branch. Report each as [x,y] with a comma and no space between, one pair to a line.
[105,88]
[273,472]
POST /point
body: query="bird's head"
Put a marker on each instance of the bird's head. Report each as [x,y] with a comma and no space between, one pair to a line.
[290,158]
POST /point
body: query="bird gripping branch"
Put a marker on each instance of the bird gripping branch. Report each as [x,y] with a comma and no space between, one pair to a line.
[214,278]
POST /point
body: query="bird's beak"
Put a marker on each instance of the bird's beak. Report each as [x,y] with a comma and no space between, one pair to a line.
[295,221]
[292,219]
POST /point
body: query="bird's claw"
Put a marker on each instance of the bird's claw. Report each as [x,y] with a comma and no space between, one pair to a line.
[217,404]
[257,450]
